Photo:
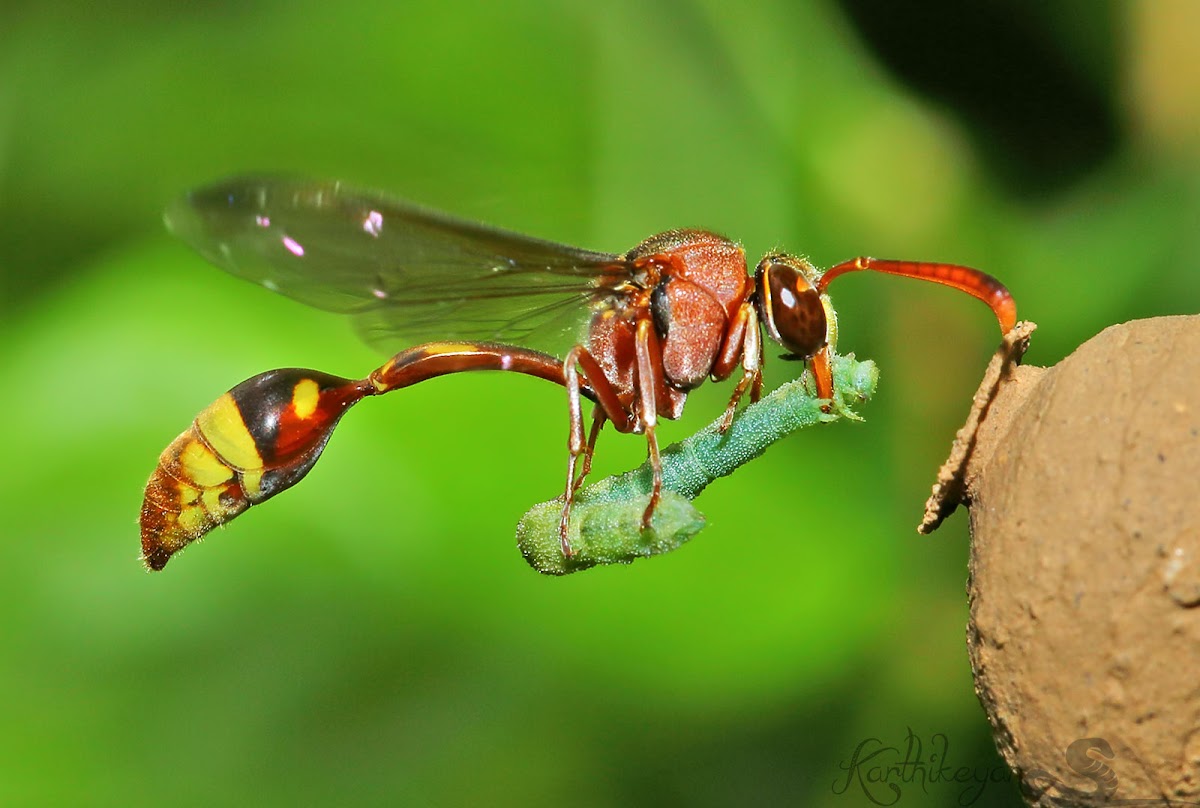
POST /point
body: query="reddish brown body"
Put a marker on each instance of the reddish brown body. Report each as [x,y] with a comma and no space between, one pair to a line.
[676,310]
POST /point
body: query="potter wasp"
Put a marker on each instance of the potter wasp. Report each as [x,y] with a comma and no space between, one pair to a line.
[633,333]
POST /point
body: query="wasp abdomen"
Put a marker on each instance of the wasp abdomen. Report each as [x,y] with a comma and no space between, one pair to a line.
[258,439]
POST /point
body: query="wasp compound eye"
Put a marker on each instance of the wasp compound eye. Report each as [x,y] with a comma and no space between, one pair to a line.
[790,307]
[256,440]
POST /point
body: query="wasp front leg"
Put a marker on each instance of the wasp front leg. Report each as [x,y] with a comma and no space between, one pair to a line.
[743,340]
[823,377]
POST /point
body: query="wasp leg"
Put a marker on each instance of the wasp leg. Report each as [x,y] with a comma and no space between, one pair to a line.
[744,339]
[823,377]
[598,419]
[580,363]
[580,374]
[649,379]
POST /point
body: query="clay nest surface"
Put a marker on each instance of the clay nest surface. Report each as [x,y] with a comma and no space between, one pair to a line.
[1083,483]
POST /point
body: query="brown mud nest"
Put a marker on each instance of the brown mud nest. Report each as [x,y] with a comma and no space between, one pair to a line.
[1083,483]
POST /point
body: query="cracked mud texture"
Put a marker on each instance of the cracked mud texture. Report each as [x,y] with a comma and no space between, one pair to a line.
[1085,568]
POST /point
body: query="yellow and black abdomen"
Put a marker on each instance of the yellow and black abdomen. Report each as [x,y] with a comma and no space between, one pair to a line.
[258,439]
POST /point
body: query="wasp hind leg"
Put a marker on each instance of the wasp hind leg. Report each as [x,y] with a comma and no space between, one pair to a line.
[580,367]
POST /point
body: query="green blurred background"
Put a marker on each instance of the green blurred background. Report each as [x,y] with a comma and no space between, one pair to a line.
[373,637]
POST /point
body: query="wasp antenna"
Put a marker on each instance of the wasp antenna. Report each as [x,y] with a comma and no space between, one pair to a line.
[977,284]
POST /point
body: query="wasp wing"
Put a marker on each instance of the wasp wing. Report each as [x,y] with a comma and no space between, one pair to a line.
[406,274]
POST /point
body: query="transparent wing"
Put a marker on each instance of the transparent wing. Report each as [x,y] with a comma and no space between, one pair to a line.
[406,274]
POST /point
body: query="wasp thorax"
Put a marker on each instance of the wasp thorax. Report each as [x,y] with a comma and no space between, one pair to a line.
[790,305]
